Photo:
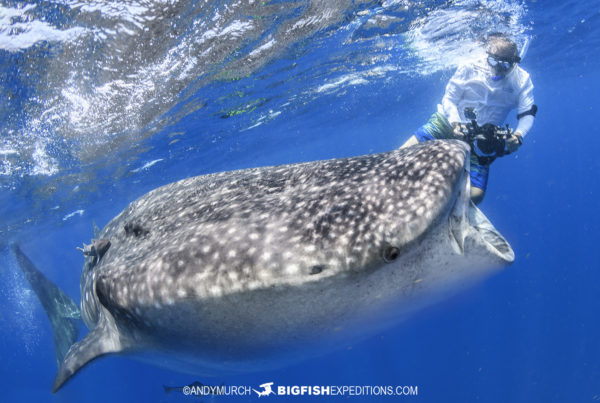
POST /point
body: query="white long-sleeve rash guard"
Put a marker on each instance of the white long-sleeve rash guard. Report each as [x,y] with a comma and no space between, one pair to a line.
[472,87]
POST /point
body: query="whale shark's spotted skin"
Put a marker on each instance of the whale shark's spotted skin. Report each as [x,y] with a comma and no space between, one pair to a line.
[225,271]
[237,231]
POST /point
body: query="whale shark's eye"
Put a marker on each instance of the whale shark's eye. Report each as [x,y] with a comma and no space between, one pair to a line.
[390,253]
[316,269]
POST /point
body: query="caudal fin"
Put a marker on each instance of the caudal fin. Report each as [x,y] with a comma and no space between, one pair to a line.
[64,316]
[63,313]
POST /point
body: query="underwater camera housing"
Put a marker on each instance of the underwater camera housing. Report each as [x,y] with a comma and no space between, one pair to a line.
[488,142]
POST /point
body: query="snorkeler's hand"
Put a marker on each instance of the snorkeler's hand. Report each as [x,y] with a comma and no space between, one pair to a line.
[458,130]
[513,142]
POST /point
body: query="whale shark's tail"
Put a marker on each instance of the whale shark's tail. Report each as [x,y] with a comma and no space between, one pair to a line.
[65,318]
[63,313]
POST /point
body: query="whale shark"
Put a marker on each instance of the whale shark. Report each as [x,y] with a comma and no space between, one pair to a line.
[259,267]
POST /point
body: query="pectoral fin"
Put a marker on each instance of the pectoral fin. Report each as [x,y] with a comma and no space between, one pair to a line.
[104,339]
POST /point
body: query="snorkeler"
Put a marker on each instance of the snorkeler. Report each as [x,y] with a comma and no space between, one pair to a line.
[483,93]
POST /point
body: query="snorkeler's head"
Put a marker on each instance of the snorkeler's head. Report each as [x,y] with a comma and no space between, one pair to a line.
[502,55]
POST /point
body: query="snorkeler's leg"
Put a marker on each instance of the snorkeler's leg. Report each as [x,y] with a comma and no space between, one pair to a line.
[436,128]
[410,142]
[477,194]
[479,178]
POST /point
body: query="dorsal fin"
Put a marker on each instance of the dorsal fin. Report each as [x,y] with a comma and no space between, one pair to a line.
[96,229]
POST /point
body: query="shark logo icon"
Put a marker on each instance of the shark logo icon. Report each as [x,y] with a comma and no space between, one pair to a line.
[267,390]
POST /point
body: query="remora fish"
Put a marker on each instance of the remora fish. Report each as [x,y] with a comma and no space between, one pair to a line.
[239,269]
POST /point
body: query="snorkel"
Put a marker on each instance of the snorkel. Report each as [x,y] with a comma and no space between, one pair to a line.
[498,77]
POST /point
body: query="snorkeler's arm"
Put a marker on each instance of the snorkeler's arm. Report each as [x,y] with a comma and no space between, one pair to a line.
[527,109]
[453,94]
[525,124]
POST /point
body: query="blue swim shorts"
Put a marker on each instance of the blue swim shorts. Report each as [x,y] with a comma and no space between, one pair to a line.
[438,127]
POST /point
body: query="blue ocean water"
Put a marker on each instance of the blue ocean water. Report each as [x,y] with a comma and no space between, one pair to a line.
[103,101]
